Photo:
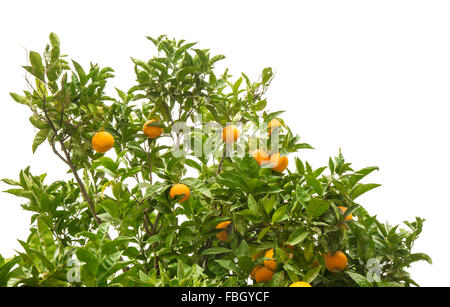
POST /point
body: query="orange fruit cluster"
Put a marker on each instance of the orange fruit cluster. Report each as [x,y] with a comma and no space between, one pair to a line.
[279,163]
[103,141]
[264,273]
[260,156]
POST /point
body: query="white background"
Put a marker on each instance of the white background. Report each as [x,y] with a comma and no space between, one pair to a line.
[370,77]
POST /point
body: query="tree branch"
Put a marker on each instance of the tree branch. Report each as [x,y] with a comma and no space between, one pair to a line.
[219,168]
[67,158]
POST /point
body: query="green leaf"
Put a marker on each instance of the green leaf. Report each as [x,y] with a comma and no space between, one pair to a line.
[80,72]
[106,162]
[182,73]
[249,167]
[197,185]
[201,54]
[36,63]
[109,266]
[263,233]
[5,271]
[158,66]
[20,193]
[89,258]
[111,206]
[299,166]
[360,189]
[359,279]
[420,256]
[20,99]
[193,164]
[297,236]
[354,178]
[302,195]
[260,105]
[312,274]
[11,182]
[38,123]
[228,264]
[252,204]
[216,250]
[269,203]
[182,49]
[236,85]
[279,214]
[102,232]
[54,53]
[317,186]
[45,261]
[243,249]
[317,207]
[46,238]
[216,58]
[40,138]
[142,64]
[267,74]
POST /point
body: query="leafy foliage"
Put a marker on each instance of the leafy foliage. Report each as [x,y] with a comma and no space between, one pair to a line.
[117,219]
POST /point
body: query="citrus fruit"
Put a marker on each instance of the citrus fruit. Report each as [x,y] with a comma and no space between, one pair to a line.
[230,134]
[300,284]
[180,189]
[336,262]
[102,141]
[260,156]
[343,209]
[223,236]
[274,123]
[152,131]
[263,274]
[270,264]
[254,270]
[279,163]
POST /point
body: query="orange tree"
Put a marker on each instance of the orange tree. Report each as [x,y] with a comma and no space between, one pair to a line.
[142,206]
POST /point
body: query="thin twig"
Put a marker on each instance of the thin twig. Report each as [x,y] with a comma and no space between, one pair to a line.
[149,157]
[67,158]
[219,169]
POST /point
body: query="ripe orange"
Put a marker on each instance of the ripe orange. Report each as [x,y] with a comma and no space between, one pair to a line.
[343,209]
[223,236]
[280,163]
[336,262]
[260,156]
[152,131]
[270,264]
[274,123]
[180,189]
[300,284]
[263,274]
[230,134]
[254,270]
[102,141]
